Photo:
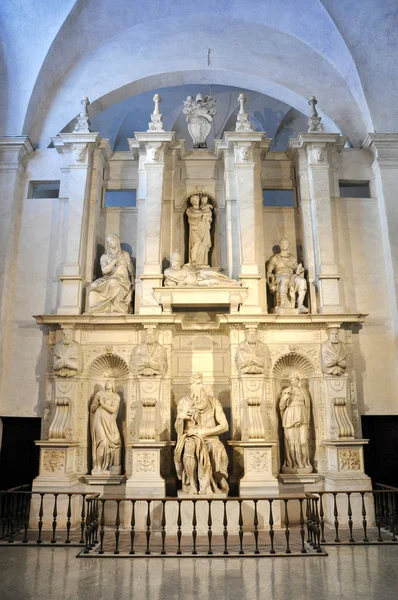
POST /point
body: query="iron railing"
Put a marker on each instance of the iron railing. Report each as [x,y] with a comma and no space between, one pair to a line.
[287,526]
[42,518]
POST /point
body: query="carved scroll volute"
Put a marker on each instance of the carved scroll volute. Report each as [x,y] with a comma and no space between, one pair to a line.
[345,428]
[255,427]
[60,427]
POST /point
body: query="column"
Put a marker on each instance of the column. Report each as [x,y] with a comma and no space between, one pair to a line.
[76,150]
[244,148]
[152,146]
[384,147]
[318,147]
[14,151]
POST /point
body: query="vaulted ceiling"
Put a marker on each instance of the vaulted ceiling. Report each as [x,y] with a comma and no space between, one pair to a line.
[54,52]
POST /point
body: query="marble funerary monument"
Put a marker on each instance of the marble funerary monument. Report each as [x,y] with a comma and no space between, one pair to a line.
[223,361]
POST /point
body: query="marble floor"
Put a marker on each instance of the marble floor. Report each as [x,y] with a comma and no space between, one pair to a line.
[347,573]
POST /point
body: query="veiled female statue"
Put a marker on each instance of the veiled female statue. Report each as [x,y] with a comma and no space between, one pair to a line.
[199,220]
[105,436]
[295,412]
[112,293]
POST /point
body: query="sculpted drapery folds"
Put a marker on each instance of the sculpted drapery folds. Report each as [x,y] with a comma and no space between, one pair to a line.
[150,357]
[250,354]
[185,276]
[199,220]
[105,436]
[295,412]
[334,354]
[68,356]
[112,293]
[285,277]
[200,457]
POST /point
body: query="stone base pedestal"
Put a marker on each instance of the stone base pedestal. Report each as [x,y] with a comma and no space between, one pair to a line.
[111,478]
[346,474]
[146,480]
[56,465]
[278,310]
[260,463]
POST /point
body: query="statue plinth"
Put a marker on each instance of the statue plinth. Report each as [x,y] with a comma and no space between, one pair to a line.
[260,463]
[146,480]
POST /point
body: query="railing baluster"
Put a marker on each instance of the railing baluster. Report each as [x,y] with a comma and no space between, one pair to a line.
[95,532]
[68,516]
[82,518]
[378,516]
[40,524]
[225,531]
[308,518]
[132,530]
[287,530]
[336,517]
[163,523]
[209,528]
[55,513]
[271,527]
[11,517]
[349,512]
[117,527]
[322,517]
[364,521]
[87,531]
[255,524]
[194,532]
[102,527]
[394,516]
[179,532]
[26,518]
[148,527]
[240,528]
[302,531]
[317,528]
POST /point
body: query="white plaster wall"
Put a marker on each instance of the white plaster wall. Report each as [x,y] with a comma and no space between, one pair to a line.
[364,285]
[36,268]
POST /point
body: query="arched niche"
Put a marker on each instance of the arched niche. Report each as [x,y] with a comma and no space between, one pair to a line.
[108,367]
[287,365]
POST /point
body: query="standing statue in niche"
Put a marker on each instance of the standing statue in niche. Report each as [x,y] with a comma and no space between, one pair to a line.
[112,293]
[285,277]
[185,276]
[149,358]
[250,355]
[68,356]
[200,457]
[334,354]
[295,411]
[105,436]
[199,114]
[199,220]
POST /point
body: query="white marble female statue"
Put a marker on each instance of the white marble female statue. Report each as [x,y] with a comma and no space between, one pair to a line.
[105,436]
[199,220]
[112,293]
[295,412]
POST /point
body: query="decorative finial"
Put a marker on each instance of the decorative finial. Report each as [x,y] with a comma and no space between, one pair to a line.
[242,120]
[83,122]
[156,117]
[314,122]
